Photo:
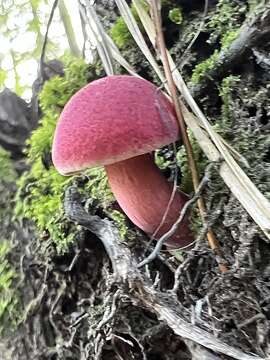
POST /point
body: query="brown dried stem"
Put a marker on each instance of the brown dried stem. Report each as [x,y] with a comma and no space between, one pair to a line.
[212,240]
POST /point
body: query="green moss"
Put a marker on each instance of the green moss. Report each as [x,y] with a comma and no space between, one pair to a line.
[120,33]
[7,172]
[97,188]
[176,16]
[99,193]
[54,95]
[226,18]
[241,133]
[8,177]
[58,90]
[223,27]
[40,198]
[41,189]
[161,161]
[41,139]
[120,221]
[203,67]
[228,38]
[225,92]
[9,299]
[239,128]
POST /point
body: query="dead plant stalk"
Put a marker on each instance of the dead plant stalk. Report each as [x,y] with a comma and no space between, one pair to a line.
[160,43]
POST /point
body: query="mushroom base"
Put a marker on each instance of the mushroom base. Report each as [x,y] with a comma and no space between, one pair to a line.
[144,193]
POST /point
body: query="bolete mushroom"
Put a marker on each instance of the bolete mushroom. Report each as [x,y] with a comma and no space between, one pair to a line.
[118,121]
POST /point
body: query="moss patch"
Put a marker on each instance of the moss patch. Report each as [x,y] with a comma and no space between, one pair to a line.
[176,16]
[226,18]
[41,189]
[7,172]
[9,299]
[120,32]
[223,27]
[203,67]
[120,221]
[239,123]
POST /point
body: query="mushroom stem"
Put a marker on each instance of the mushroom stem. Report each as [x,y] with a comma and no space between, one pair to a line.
[144,193]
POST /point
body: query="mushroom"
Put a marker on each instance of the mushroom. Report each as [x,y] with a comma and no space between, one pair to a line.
[118,121]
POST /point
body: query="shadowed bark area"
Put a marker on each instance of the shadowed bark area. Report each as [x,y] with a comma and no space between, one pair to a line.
[15,122]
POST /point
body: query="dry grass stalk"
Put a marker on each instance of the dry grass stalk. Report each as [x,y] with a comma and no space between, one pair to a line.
[210,142]
[254,202]
[213,242]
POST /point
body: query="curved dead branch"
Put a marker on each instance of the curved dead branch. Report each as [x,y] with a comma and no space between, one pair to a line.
[135,285]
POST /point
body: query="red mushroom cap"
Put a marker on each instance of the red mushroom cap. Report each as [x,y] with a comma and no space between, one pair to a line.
[110,120]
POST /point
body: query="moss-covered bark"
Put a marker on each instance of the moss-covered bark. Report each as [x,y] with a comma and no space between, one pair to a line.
[65,269]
